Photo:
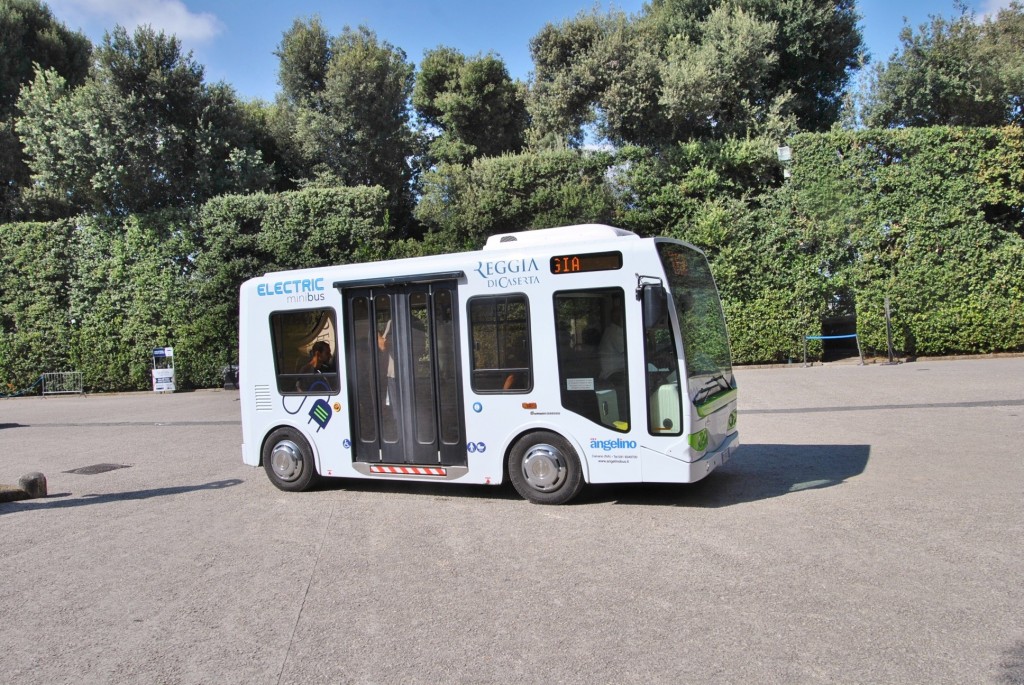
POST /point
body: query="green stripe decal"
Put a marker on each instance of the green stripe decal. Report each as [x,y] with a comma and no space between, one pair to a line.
[715,402]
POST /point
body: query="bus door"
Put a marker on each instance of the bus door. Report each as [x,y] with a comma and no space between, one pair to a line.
[403,374]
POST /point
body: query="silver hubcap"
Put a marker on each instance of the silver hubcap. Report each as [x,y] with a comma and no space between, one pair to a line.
[286,460]
[544,468]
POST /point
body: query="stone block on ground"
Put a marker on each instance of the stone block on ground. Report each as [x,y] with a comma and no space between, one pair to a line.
[9,493]
[34,484]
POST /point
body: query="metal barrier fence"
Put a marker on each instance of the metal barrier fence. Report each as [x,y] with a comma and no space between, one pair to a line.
[62,383]
[833,337]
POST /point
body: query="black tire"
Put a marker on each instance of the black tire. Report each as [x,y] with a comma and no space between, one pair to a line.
[288,460]
[545,469]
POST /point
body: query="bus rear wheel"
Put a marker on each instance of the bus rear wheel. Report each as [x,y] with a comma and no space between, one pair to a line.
[288,460]
[545,469]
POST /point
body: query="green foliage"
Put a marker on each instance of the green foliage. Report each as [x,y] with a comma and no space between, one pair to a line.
[29,35]
[954,72]
[245,236]
[96,295]
[811,54]
[929,221]
[594,69]
[694,191]
[463,205]
[14,174]
[478,109]
[312,227]
[142,133]
[305,54]
[36,268]
[347,114]
[693,69]
[130,294]
[719,84]
[930,218]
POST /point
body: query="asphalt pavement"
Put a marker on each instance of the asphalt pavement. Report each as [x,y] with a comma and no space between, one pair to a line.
[869,530]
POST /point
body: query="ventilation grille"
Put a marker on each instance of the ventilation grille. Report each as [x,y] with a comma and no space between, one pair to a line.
[264,402]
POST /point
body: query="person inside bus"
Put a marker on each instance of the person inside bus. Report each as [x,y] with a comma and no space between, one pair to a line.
[612,351]
[320,359]
[384,345]
[612,347]
[519,378]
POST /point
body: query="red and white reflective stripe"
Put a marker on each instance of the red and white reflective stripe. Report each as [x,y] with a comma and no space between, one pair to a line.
[409,470]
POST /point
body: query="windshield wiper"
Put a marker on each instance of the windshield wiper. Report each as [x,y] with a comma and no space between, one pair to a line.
[715,383]
[720,379]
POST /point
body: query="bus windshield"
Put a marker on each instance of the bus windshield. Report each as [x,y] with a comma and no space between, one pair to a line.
[701,321]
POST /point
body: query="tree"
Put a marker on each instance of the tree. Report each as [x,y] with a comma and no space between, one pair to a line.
[686,69]
[29,35]
[581,61]
[720,85]
[463,204]
[142,133]
[353,127]
[817,44]
[474,103]
[957,72]
[305,54]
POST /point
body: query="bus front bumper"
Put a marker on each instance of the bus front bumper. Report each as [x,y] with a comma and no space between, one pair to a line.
[662,468]
[712,460]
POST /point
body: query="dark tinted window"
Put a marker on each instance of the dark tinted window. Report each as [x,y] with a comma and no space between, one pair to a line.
[305,351]
[500,337]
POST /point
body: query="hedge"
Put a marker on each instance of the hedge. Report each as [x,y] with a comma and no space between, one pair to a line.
[932,219]
[97,294]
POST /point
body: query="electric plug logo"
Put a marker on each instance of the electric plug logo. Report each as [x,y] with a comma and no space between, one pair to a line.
[321,413]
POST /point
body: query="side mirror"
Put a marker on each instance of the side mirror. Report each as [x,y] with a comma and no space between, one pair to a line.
[655,304]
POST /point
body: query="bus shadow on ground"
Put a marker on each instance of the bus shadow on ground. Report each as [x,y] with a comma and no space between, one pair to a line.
[756,472]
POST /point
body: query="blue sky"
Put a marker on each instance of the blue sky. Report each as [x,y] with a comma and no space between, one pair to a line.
[235,41]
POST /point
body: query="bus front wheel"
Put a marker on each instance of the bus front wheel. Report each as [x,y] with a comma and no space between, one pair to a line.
[288,460]
[545,469]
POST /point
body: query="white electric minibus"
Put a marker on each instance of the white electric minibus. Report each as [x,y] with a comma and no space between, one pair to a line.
[553,357]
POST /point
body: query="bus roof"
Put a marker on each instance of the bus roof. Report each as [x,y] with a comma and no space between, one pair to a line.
[554,236]
[541,237]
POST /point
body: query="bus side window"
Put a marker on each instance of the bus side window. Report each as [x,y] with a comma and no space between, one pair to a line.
[592,373]
[500,339]
[305,351]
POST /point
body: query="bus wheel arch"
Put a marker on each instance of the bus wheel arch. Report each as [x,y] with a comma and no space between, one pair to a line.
[545,468]
[287,457]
